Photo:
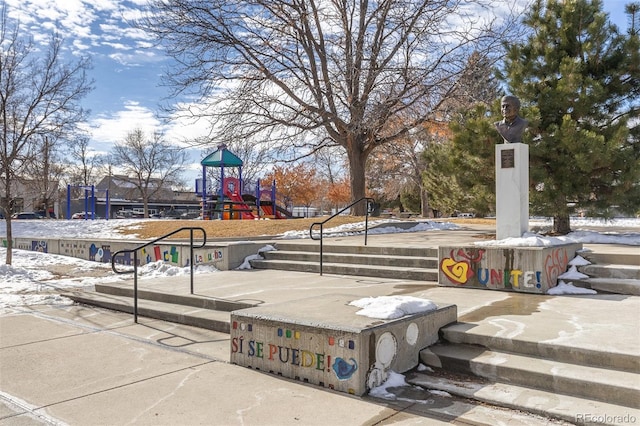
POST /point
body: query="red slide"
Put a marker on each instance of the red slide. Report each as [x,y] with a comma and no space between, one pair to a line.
[267,211]
[239,203]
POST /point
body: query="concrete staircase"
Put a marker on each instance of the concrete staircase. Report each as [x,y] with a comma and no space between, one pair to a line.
[596,375]
[517,373]
[197,311]
[609,273]
[503,371]
[213,314]
[406,263]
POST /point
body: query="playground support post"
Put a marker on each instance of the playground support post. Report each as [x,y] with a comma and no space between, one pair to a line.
[93,202]
[259,210]
[86,189]
[205,201]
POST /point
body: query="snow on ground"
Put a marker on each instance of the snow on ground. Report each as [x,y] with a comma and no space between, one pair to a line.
[37,278]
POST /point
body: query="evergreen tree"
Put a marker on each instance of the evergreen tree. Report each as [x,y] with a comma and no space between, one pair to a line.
[473,157]
[583,76]
[459,171]
[445,195]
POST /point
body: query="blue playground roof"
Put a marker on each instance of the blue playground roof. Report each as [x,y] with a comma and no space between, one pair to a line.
[222,157]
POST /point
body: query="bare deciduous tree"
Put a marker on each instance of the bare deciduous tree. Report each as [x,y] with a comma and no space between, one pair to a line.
[39,98]
[150,164]
[44,171]
[304,74]
[83,164]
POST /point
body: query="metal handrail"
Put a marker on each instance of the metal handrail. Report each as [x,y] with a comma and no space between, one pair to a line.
[366,224]
[135,260]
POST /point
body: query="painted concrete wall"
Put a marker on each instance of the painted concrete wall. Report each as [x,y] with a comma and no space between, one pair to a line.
[224,256]
[521,269]
[342,351]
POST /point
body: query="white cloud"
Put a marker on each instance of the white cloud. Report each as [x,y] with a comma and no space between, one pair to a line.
[119,46]
[114,127]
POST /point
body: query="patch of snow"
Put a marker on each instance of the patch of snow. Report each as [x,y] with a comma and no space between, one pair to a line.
[579,261]
[246,264]
[422,367]
[569,288]
[573,274]
[393,381]
[392,307]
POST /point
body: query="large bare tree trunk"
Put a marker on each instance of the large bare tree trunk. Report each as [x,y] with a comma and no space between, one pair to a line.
[9,257]
[357,161]
[561,224]
[425,210]
[8,211]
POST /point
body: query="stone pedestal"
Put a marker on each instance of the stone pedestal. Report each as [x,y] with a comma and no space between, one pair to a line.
[512,190]
[520,269]
[322,341]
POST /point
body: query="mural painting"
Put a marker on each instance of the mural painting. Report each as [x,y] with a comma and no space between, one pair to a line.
[77,249]
[329,358]
[525,269]
[39,246]
[168,254]
[100,251]
[342,350]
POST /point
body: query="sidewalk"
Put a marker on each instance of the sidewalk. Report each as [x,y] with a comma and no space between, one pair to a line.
[79,365]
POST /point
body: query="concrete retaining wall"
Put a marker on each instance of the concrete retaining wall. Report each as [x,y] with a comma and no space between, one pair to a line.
[341,351]
[521,269]
[224,256]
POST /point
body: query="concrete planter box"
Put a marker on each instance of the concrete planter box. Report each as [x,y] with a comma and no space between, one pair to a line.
[322,341]
[521,269]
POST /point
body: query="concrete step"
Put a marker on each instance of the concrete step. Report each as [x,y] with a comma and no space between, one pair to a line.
[467,333]
[126,290]
[629,287]
[314,247]
[616,257]
[401,273]
[611,278]
[611,271]
[181,314]
[607,385]
[409,263]
[358,259]
[574,410]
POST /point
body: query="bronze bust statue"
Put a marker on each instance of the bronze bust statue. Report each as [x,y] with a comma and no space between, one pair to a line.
[512,125]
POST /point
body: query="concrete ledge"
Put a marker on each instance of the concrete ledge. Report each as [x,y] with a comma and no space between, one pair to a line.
[224,256]
[322,341]
[521,269]
[611,285]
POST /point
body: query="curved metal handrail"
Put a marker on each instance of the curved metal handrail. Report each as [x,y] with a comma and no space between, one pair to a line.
[321,224]
[140,247]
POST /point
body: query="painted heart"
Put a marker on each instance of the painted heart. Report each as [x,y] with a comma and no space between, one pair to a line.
[457,272]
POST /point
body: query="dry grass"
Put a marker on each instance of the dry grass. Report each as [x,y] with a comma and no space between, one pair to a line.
[250,228]
[231,228]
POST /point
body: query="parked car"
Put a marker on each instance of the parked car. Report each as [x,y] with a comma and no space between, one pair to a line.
[129,214]
[44,214]
[81,215]
[26,215]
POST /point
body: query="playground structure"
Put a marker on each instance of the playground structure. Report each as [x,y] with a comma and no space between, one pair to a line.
[89,201]
[229,202]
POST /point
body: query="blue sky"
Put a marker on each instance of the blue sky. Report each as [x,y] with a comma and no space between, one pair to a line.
[127,68]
